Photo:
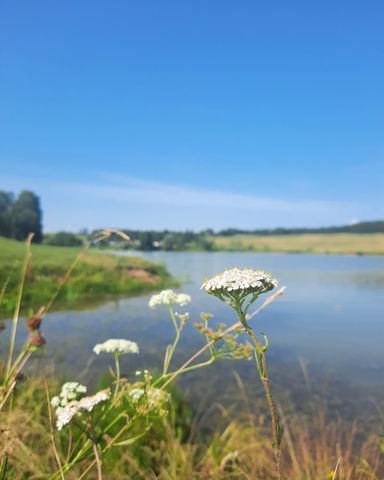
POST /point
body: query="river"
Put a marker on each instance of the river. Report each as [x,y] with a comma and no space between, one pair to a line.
[329,322]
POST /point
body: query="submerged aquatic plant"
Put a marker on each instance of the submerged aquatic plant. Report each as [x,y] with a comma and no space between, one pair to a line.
[240,288]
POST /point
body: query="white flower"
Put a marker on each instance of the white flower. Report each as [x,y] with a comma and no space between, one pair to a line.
[66,414]
[183,317]
[117,346]
[55,401]
[238,280]
[69,391]
[136,394]
[87,403]
[169,297]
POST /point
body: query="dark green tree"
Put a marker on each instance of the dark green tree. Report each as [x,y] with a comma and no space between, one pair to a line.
[27,216]
[146,241]
[63,239]
[6,202]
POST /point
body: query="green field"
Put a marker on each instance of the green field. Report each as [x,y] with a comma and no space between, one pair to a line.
[332,243]
[96,277]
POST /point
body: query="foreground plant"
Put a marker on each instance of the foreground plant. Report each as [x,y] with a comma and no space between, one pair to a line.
[240,289]
[104,420]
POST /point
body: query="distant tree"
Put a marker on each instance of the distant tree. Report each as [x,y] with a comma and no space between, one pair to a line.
[63,239]
[6,202]
[27,217]
[146,241]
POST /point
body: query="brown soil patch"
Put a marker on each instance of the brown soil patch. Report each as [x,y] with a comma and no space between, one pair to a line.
[140,274]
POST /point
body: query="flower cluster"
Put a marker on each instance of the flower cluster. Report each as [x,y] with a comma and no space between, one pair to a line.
[149,399]
[69,391]
[240,280]
[169,298]
[65,414]
[116,346]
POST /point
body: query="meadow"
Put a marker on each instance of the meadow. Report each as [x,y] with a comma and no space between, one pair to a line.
[95,277]
[329,243]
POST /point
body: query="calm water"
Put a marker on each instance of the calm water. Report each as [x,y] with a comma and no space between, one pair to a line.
[331,316]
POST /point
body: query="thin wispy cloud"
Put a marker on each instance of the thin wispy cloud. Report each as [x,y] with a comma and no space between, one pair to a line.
[127,189]
[106,199]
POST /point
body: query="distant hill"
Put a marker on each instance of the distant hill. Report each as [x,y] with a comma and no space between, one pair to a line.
[376,226]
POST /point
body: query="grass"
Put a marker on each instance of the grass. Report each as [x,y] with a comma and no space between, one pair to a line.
[331,243]
[96,277]
[174,449]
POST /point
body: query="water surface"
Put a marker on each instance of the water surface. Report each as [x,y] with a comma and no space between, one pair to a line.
[331,317]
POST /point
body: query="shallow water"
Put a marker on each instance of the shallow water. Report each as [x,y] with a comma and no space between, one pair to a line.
[331,317]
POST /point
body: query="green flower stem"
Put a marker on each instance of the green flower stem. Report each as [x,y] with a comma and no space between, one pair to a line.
[86,448]
[171,348]
[117,368]
[261,363]
[176,373]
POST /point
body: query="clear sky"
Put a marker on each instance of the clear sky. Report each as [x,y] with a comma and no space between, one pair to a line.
[194,113]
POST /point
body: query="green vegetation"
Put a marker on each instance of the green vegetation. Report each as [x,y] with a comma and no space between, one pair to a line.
[20,217]
[63,239]
[136,427]
[332,243]
[172,449]
[95,278]
[366,238]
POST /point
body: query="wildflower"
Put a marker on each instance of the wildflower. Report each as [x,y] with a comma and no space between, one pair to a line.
[148,400]
[69,391]
[66,414]
[33,323]
[241,281]
[183,317]
[87,403]
[169,298]
[116,346]
[136,394]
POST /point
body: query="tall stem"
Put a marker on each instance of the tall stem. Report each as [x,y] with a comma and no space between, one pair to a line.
[171,348]
[18,303]
[261,363]
[117,367]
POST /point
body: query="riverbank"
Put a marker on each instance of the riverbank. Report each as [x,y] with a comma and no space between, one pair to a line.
[328,243]
[97,276]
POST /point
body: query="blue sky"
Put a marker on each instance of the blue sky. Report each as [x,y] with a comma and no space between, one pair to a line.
[194,114]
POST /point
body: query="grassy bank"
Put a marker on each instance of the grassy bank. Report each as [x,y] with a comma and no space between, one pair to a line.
[95,278]
[176,448]
[337,243]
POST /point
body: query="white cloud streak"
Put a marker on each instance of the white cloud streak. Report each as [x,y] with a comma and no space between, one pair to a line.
[115,200]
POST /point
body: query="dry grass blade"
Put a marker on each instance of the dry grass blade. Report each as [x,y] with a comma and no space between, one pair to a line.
[18,303]
[336,468]
[56,453]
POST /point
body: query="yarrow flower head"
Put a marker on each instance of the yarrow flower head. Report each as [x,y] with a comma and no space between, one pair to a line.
[239,288]
[169,298]
[116,346]
[240,280]
[65,414]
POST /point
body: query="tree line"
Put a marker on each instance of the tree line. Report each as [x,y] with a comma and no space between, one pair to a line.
[376,226]
[20,215]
